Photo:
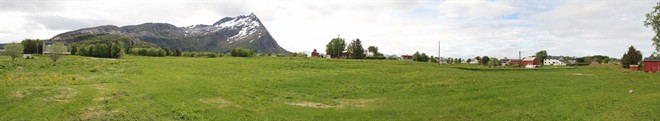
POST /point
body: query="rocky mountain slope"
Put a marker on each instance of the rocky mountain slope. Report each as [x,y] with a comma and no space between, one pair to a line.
[245,31]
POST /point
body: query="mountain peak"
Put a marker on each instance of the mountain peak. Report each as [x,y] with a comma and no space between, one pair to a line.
[248,17]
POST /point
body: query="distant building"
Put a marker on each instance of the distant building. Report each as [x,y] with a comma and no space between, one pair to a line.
[369,54]
[48,43]
[505,61]
[530,62]
[634,67]
[515,61]
[554,60]
[406,57]
[315,54]
[571,62]
[651,65]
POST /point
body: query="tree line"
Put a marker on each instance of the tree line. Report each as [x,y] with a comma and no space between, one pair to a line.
[336,47]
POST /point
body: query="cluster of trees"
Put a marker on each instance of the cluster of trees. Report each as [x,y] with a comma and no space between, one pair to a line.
[242,52]
[632,57]
[336,47]
[158,52]
[104,50]
[487,61]
[421,57]
[202,54]
[32,46]
[454,60]
[355,50]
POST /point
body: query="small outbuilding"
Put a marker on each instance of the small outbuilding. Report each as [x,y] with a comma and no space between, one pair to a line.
[406,57]
[634,67]
[651,65]
[315,54]
[530,62]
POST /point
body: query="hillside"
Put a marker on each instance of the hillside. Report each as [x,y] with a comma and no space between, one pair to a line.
[271,88]
[245,31]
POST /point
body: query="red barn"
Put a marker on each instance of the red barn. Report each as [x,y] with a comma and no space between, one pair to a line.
[652,65]
[315,54]
[634,67]
[530,62]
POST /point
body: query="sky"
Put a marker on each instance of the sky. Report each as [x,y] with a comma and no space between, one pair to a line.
[464,28]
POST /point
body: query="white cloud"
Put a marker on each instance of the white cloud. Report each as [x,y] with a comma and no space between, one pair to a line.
[476,8]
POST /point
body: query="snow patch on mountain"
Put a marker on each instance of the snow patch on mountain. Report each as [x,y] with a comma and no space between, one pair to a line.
[247,25]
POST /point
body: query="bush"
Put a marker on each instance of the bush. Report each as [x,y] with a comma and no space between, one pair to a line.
[202,54]
[158,52]
[377,57]
[104,50]
[242,52]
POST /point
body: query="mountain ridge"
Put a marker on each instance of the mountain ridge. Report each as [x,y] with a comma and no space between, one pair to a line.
[245,31]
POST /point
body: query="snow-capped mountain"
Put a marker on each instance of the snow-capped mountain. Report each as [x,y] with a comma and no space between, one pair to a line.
[245,31]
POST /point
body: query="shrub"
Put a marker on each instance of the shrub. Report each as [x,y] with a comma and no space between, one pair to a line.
[242,52]
[158,52]
[377,57]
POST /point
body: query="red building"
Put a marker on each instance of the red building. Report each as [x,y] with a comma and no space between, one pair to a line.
[530,62]
[514,61]
[651,65]
[315,54]
[634,67]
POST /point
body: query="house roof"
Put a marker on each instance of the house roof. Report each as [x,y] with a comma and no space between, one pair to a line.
[553,57]
[529,59]
[651,59]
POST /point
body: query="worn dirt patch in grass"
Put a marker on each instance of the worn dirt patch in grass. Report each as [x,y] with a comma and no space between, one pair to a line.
[343,103]
[19,94]
[63,95]
[220,101]
[313,105]
[581,74]
[98,113]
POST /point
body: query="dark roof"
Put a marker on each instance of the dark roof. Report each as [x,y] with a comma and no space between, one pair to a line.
[553,57]
[651,59]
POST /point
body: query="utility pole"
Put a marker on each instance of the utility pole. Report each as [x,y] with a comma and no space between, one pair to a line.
[519,59]
[439,58]
[338,53]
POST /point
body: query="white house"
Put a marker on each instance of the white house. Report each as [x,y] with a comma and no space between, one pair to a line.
[554,60]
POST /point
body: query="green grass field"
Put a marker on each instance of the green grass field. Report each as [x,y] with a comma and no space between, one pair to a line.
[269,88]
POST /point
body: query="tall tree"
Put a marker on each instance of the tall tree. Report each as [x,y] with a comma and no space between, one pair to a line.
[541,55]
[469,60]
[13,50]
[335,47]
[355,49]
[424,57]
[484,60]
[374,50]
[653,20]
[417,56]
[56,51]
[632,57]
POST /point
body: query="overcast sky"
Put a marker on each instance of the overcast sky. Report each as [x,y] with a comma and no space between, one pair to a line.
[466,28]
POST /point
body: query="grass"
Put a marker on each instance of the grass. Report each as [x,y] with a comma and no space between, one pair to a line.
[265,88]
